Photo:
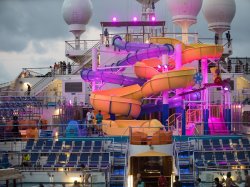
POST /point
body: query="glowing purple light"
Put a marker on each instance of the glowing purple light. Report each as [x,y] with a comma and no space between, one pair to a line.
[159,66]
[134,18]
[114,19]
[153,18]
[226,88]
[165,66]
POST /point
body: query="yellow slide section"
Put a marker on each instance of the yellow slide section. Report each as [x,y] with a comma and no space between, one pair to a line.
[121,127]
[193,51]
[126,100]
[123,101]
[168,81]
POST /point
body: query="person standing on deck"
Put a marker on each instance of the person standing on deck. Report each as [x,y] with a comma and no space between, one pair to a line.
[99,118]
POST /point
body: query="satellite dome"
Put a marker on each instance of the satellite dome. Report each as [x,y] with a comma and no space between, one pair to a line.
[77,11]
[219,14]
[184,10]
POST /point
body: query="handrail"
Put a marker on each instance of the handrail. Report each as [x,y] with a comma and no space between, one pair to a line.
[79,67]
[88,52]
[6,84]
[125,168]
[39,83]
[192,115]
[179,120]
[173,120]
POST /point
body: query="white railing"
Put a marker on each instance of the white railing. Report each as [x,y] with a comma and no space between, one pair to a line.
[82,45]
[5,84]
[193,115]
[174,123]
[41,85]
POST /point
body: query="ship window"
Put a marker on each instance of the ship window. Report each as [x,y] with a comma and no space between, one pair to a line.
[73,86]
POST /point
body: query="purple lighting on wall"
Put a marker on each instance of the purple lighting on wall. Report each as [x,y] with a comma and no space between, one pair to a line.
[114,19]
[153,18]
[134,18]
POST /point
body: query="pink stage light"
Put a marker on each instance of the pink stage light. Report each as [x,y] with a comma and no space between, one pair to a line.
[114,19]
[159,66]
[134,18]
[153,18]
[166,66]
[226,88]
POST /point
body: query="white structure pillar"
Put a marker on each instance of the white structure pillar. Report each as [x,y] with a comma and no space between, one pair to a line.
[204,71]
[94,65]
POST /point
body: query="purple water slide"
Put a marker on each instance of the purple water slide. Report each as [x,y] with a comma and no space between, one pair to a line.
[130,46]
[147,51]
[89,75]
[173,102]
[142,51]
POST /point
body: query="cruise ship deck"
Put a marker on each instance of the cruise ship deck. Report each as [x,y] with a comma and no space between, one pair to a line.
[161,101]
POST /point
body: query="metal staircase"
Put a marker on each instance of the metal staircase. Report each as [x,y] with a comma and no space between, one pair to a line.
[6,88]
[83,61]
[41,85]
[118,170]
[184,163]
[79,62]
[174,123]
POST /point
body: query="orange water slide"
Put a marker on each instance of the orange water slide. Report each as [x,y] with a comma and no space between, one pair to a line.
[126,100]
[191,52]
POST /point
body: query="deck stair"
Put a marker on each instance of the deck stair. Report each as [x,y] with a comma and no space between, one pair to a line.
[83,61]
[41,85]
[184,153]
[118,170]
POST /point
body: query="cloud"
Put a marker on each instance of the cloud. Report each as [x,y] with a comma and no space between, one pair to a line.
[25,20]
[13,62]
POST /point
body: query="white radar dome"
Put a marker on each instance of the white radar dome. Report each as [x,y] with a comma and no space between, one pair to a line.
[184,10]
[219,14]
[77,14]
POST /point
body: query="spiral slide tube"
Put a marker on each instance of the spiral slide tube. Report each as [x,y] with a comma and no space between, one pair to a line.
[173,102]
[89,75]
[130,46]
[142,51]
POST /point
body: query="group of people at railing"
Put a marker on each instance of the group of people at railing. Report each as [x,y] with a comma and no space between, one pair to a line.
[228,37]
[239,67]
[61,68]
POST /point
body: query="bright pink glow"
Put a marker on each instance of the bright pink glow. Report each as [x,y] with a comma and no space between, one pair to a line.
[134,18]
[166,66]
[217,126]
[153,18]
[226,88]
[159,66]
[114,19]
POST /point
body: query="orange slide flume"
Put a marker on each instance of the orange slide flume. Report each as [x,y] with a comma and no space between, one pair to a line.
[127,100]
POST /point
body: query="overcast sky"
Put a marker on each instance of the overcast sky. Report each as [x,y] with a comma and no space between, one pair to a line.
[32,32]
